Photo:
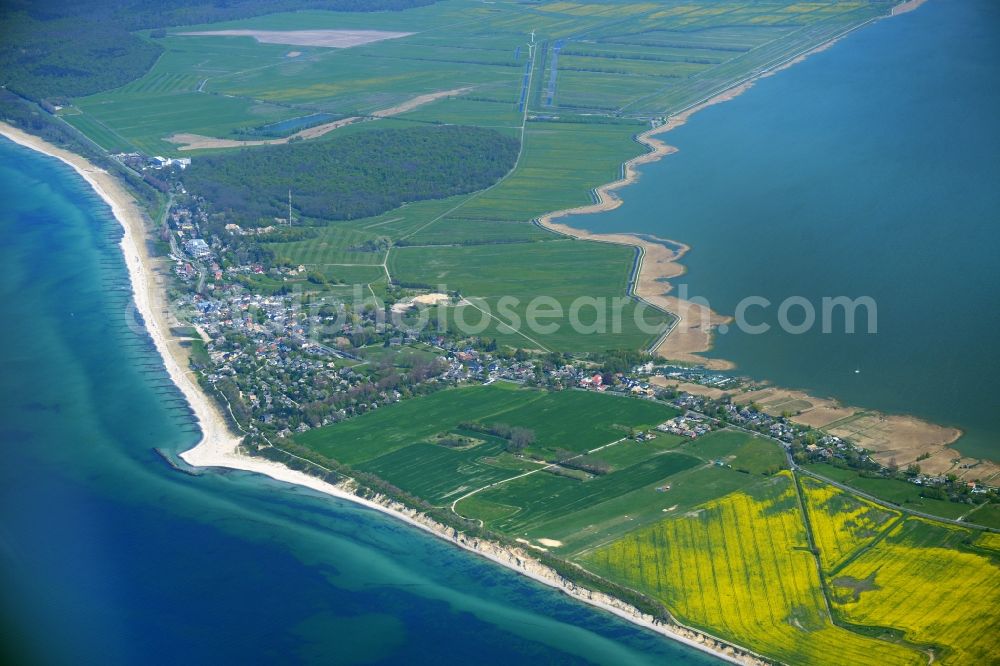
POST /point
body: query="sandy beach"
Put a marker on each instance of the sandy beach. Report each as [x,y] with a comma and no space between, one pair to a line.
[150,299]
[219,446]
[905,7]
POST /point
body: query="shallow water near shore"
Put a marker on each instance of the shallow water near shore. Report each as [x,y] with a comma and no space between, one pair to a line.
[110,556]
[870,169]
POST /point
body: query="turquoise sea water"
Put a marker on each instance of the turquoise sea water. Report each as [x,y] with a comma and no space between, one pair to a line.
[871,169]
[109,556]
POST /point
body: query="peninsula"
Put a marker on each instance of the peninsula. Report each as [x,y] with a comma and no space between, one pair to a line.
[340,302]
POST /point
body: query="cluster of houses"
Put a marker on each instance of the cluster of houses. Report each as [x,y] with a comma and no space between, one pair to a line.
[468,364]
[140,162]
[620,382]
[751,419]
[828,447]
[689,425]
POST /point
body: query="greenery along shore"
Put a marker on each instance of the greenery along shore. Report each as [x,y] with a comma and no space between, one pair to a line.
[634,496]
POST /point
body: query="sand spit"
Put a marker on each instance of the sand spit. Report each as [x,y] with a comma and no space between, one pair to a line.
[905,7]
[332,39]
[188,141]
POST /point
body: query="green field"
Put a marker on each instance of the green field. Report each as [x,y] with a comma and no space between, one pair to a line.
[541,499]
[986,514]
[748,454]
[553,271]
[383,431]
[596,75]
[572,420]
[897,492]
[580,421]
[652,58]
[577,508]
[439,474]
[795,569]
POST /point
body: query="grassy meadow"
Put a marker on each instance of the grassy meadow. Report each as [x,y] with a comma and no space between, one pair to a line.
[561,271]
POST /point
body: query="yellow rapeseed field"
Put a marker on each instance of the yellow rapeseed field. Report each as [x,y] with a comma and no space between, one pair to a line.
[841,523]
[989,540]
[740,568]
[920,580]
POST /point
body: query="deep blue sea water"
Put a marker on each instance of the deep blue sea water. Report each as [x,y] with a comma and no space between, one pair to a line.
[871,169]
[108,556]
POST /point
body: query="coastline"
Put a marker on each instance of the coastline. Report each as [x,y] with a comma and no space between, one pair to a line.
[692,334]
[150,300]
[219,446]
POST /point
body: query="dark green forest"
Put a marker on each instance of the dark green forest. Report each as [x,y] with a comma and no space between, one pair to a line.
[69,57]
[55,49]
[357,175]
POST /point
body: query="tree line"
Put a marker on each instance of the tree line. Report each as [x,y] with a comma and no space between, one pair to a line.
[517,438]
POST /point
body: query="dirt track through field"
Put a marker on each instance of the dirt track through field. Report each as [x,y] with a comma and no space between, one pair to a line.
[200,142]
[332,39]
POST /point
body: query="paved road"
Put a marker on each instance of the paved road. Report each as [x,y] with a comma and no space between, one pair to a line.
[891,505]
[885,503]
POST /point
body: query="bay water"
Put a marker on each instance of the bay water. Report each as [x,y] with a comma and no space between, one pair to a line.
[871,169]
